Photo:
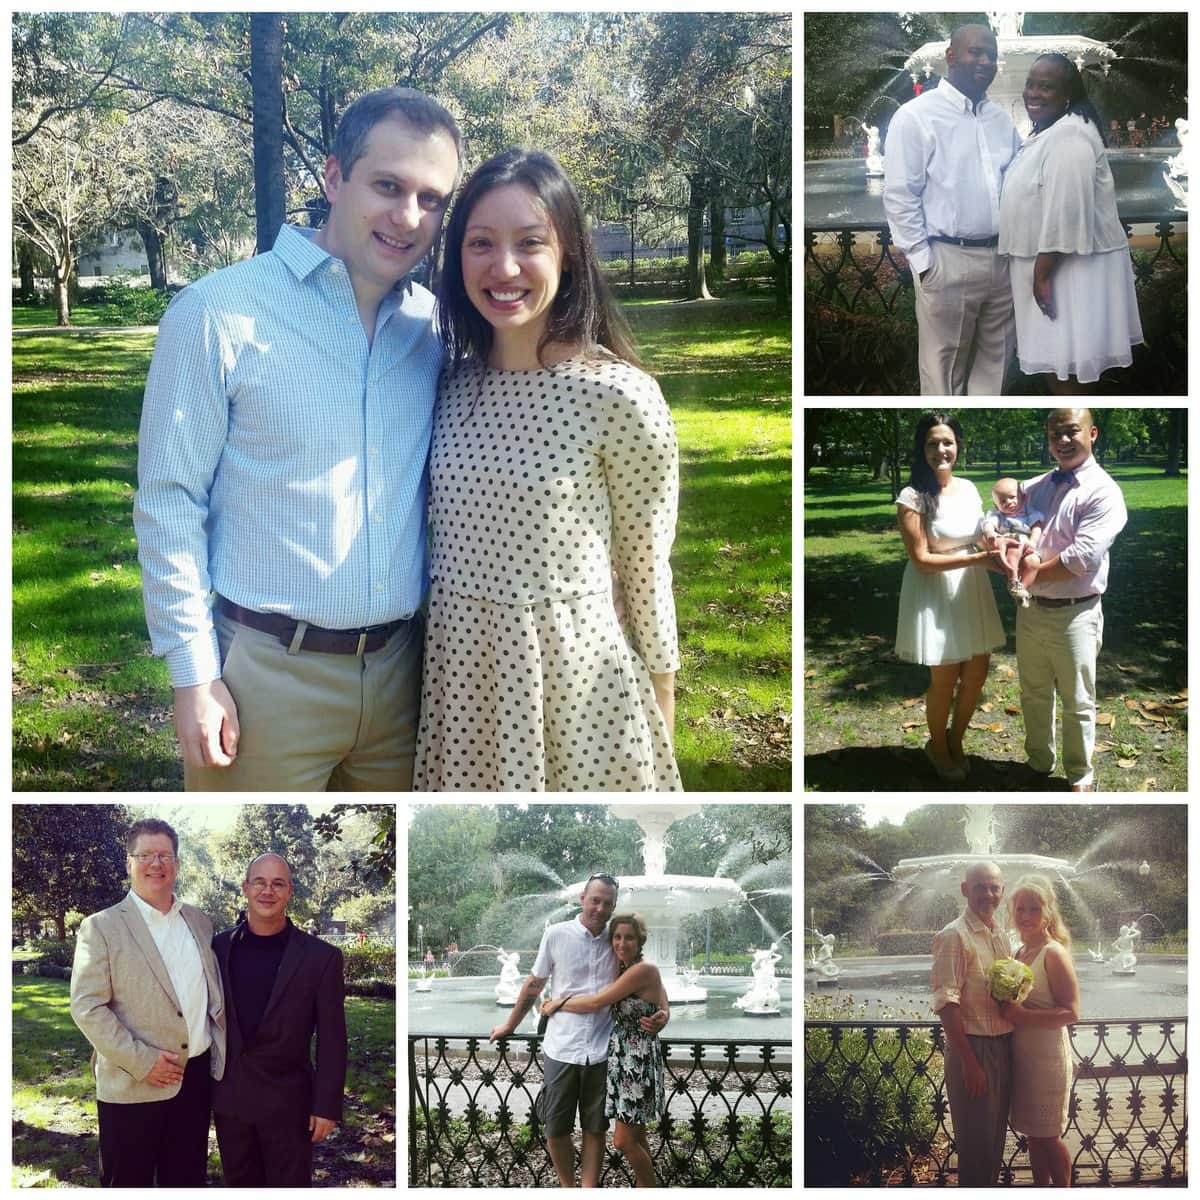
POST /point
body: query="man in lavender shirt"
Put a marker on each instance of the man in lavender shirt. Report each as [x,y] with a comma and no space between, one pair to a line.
[1060,634]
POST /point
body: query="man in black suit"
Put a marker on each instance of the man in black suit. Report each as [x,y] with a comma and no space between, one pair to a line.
[281,986]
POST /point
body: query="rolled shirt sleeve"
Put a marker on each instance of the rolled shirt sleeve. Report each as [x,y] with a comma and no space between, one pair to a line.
[949,969]
[1098,525]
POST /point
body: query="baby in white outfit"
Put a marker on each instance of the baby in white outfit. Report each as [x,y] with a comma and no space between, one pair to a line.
[1016,530]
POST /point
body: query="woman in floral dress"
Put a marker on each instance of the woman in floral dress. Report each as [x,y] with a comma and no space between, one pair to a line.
[636,1093]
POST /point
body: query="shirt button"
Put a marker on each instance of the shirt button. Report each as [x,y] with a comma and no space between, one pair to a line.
[379,587]
[335,268]
[377,519]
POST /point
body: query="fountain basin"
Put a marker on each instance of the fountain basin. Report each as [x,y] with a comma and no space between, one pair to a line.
[466,1008]
[1012,866]
[837,191]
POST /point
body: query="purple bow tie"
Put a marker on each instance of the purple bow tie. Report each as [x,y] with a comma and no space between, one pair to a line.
[1058,476]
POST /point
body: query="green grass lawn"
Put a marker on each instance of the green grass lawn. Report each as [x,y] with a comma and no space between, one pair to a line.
[54,1096]
[863,708]
[91,707]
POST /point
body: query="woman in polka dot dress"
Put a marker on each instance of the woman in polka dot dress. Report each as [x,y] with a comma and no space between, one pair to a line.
[553,465]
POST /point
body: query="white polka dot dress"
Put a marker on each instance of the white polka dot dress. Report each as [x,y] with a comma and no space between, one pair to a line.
[541,483]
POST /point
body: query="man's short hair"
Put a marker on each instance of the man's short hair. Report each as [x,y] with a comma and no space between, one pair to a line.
[150,825]
[420,111]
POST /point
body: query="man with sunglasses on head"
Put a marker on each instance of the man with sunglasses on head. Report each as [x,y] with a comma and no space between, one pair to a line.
[145,992]
[578,957]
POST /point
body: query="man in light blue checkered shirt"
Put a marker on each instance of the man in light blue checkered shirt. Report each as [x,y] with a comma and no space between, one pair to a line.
[280,511]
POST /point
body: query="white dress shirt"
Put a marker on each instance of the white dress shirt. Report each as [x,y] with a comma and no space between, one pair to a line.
[181,957]
[1083,518]
[577,963]
[943,168]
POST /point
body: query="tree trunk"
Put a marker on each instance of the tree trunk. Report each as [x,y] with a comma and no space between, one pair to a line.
[156,255]
[62,295]
[697,287]
[1174,441]
[25,271]
[266,81]
[716,228]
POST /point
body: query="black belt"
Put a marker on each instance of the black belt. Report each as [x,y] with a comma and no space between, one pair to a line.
[994,240]
[323,641]
[1065,602]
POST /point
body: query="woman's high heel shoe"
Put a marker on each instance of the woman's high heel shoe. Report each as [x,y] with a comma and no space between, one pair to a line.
[952,773]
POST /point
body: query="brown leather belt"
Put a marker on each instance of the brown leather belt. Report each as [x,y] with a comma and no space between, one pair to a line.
[1049,602]
[323,641]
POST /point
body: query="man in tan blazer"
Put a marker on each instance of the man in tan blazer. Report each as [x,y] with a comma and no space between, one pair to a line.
[146,993]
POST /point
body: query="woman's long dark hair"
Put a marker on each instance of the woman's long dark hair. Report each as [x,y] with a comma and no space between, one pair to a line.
[1077,97]
[921,477]
[583,312]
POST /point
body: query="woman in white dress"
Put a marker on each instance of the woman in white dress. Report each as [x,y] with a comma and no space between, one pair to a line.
[948,619]
[1041,1045]
[1072,280]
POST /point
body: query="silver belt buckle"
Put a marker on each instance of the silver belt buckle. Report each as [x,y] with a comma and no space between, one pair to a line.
[362,644]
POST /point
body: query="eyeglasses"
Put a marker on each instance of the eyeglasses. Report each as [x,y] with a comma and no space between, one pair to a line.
[261,885]
[166,859]
[607,879]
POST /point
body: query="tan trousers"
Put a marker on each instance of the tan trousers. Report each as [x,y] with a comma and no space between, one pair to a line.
[980,1123]
[1056,652]
[318,722]
[965,321]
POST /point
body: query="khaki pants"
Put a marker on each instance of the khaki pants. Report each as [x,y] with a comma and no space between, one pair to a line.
[980,1122]
[318,722]
[1057,650]
[964,306]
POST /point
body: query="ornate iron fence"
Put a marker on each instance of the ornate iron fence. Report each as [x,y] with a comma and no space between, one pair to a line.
[471,1119]
[846,278]
[876,1111]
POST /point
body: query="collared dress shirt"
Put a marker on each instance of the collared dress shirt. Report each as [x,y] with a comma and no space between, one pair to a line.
[943,169]
[962,955]
[282,461]
[577,963]
[1083,517]
[181,957]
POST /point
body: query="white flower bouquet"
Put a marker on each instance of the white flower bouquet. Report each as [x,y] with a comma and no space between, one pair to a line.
[1009,979]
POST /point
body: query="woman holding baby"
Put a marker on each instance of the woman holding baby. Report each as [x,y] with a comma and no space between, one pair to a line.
[948,619]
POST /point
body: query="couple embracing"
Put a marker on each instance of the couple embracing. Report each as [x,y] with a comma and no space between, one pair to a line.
[1007,1062]
[311,415]
[948,618]
[601,1051]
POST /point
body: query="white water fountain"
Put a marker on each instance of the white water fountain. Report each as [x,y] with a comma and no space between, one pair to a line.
[979,823]
[664,900]
[1124,961]
[1015,55]
[874,157]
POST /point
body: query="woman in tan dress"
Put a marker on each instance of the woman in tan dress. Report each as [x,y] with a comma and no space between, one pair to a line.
[553,467]
[1041,1046]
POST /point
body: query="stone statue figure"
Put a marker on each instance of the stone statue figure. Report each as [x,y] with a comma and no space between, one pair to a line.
[1006,24]
[1125,960]
[510,978]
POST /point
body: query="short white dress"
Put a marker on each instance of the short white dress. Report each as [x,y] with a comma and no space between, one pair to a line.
[947,616]
[1041,1066]
[1058,195]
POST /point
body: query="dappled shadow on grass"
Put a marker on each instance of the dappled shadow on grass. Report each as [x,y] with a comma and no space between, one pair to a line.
[105,409]
[33,1146]
[901,769]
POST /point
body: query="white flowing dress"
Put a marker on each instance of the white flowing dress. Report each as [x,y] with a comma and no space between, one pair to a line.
[1059,196]
[1041,1066]
[947,616]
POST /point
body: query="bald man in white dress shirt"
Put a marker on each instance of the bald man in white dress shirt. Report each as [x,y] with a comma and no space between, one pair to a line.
[947,152]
